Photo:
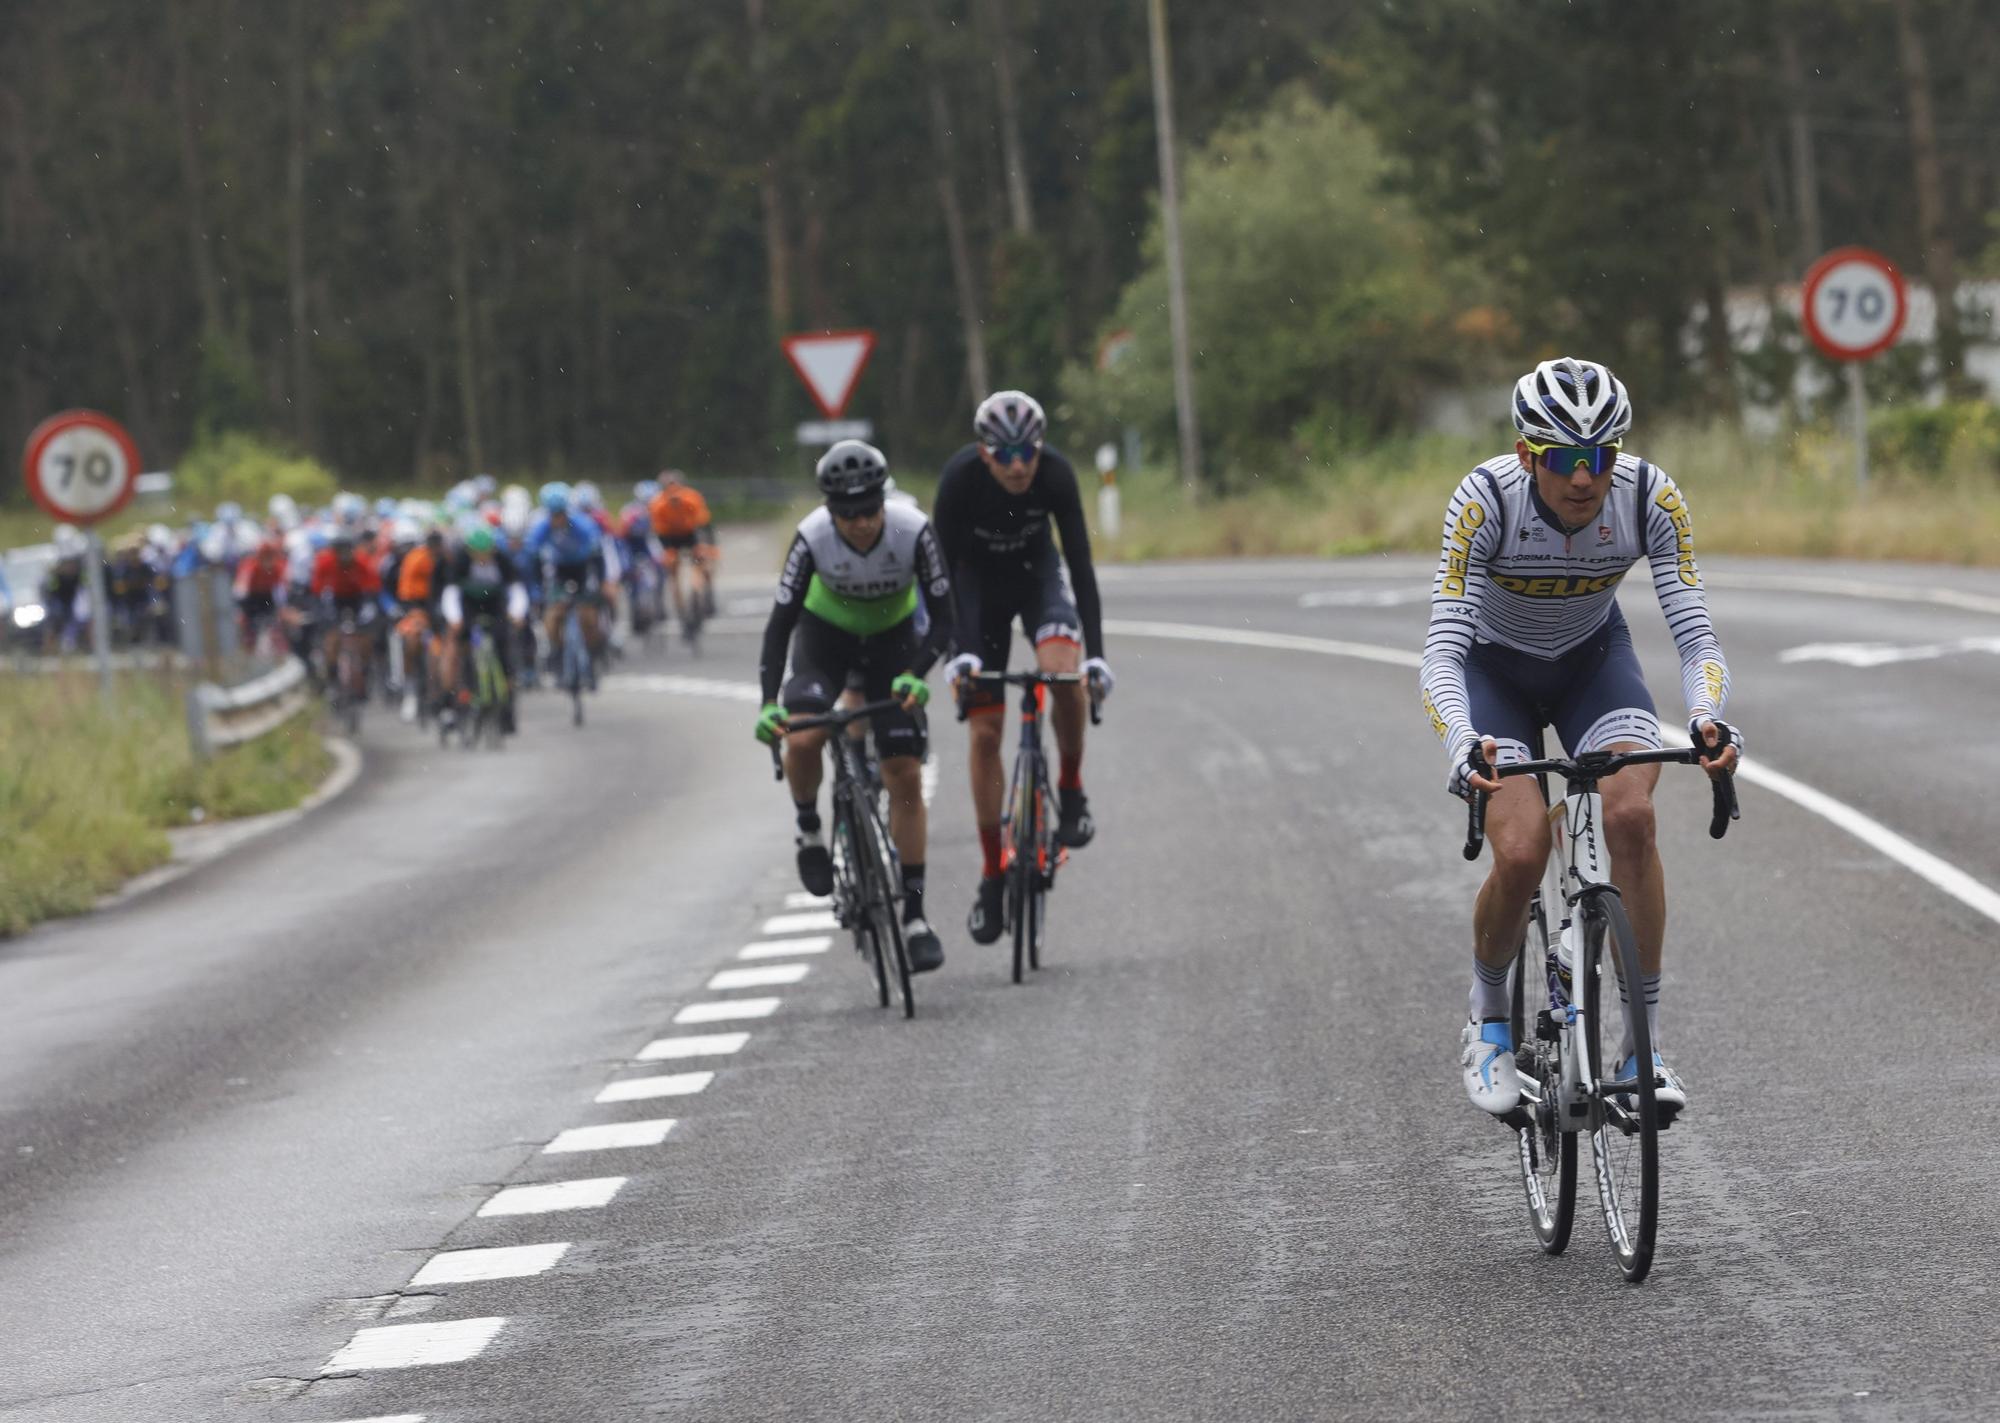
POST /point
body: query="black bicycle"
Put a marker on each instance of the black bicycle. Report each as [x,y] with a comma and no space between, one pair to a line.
[1567,1064]
[1030,855]
[867,872]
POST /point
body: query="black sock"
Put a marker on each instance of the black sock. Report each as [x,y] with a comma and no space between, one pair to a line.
[808,815]
[913,892]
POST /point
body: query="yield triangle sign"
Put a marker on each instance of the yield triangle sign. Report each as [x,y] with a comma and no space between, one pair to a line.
[830,363]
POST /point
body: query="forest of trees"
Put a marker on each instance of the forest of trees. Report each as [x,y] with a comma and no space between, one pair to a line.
[414,238]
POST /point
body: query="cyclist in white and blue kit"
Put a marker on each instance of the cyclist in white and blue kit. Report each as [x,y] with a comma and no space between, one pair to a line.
[1525,632]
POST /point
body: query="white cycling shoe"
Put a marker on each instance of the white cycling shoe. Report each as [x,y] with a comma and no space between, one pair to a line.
[1486,1054]
[1670,1094]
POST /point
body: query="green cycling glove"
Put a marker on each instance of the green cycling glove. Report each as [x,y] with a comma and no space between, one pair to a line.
[771,723]
[908,684]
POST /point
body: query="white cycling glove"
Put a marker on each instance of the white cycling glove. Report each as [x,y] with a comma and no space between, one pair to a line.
[1731,736]
[962,666]
[1456,784]
[1098,673]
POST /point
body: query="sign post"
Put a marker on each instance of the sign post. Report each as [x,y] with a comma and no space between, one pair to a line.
[830,365]
[1107,490]
[81,466]
[1853,306]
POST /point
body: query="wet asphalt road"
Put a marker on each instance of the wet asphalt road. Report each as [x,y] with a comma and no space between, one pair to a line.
[1212,1162]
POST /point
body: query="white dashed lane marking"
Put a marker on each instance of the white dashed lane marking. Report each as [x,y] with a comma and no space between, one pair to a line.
[613,1137]
[785,948]
[511,1262]
[557,1196]
[768,976]
[697,1045]
[812,922]
[405,1346]
[802,899]
[388,1418]
[642,1089]
[727,1009]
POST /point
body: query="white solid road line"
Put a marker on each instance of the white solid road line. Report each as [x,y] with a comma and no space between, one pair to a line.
[1871,832]
[556,1196]
[1853,588]
[404,1346]
[508,1262]
[389,1418]
[724,1010]
[642,1089]
[767,976]
[697,1045]
[685,686]
[614,1137]
[785,948]
[811,922]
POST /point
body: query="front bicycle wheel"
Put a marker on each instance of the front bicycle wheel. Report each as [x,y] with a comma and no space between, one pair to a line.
[1547,1152]
[1625,1145]
[878,868]
[1042,863]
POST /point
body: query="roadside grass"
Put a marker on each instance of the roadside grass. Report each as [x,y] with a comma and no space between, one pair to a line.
[86,795]
[1791,497]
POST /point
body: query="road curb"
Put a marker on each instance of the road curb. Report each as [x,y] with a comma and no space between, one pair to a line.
[197,845]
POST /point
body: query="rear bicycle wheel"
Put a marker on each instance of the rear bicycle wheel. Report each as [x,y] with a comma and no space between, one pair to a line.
[1547,1153]
[1625,1145]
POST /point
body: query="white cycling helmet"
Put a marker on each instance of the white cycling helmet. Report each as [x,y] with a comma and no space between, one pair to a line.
[1571,402]
[1009,417]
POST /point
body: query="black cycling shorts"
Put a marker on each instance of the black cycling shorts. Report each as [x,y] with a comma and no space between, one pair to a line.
[822,658]
[1041,599]
[1594,695]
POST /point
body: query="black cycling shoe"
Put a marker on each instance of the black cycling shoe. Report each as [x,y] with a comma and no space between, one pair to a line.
[815,864]
[920,941]
[988,912]
[1074,827]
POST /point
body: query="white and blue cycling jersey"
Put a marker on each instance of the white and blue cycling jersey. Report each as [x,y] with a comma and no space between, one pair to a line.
[577,545]
[1530,607]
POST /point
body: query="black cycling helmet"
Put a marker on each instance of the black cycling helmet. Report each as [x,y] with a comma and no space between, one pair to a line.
[851,476]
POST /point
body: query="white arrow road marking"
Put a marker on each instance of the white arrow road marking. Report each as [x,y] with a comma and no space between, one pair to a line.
[403,1346]
[1883,654]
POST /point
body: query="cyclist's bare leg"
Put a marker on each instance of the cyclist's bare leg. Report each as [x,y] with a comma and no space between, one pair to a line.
[909,821]
[1517,832]
[984,728]
[1066,703]
[674,562]
[446,666]
[804,765]
[552,624]
[1635,854]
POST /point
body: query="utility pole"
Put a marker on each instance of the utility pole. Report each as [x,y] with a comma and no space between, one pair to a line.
[1170,219]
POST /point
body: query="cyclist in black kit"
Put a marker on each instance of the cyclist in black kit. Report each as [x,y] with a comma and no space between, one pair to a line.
[997,503]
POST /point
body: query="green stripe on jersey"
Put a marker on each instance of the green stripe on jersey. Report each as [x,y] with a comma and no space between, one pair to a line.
[864,617]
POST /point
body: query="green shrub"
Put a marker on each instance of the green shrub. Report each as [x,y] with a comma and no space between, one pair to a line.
[249,470]
[1957,437]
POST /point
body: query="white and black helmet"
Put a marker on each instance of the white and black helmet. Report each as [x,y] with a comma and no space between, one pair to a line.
[851,472]
[1009,417]
[1572,402]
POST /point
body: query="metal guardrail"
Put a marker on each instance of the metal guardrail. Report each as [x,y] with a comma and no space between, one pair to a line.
[220,717]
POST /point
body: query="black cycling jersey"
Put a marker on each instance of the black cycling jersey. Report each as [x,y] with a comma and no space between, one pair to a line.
[1003,540]
[482,588]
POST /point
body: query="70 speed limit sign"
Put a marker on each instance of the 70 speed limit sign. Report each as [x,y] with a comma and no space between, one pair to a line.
[1854,303]
[81,466]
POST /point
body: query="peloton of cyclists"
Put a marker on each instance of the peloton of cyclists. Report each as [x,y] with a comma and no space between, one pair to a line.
[1525,632]
[1001,504]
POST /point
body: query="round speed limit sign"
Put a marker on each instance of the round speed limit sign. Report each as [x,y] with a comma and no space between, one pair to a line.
[81,466]
[1854,303]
